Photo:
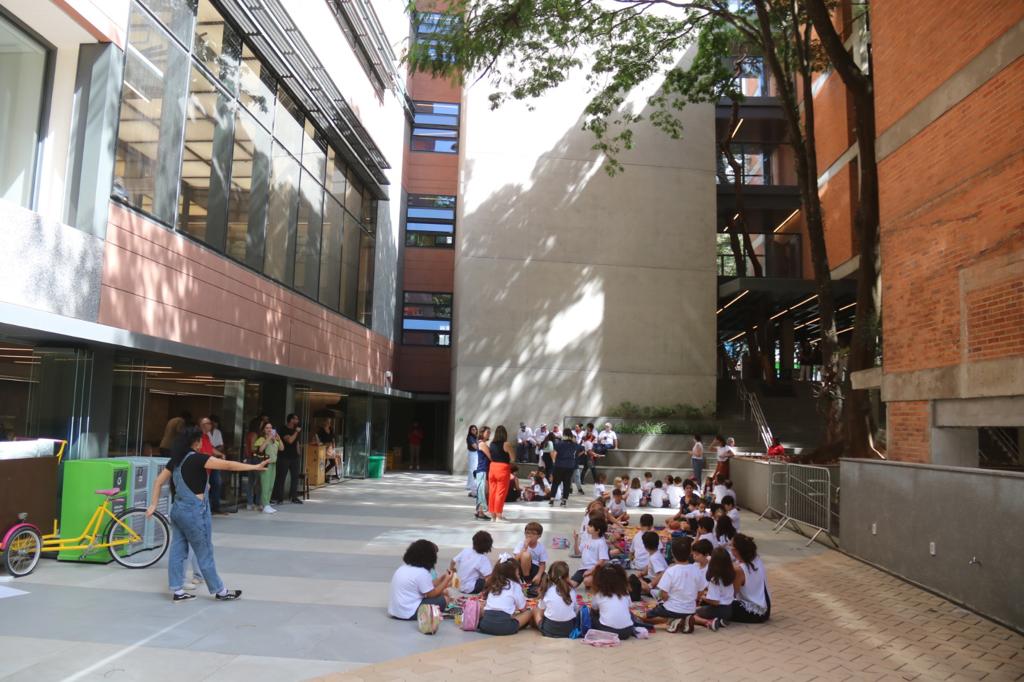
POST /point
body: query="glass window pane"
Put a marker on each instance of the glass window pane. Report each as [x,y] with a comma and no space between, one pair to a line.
[288,123]
[250,183]
[217,46]
[279,259]
[202,201]
[369,215]
[366,264]
[177,16]
[336,182]
[314,152]
[435,127]
[350,266]
[256,87]
[23,65]
[151,119]
[354,195]
[330,253]
[307,236]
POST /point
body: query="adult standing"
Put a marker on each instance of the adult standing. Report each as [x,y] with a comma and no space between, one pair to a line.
[288,461]
[208,446]
[174,428]
[416,435]
[697,459]
[752,603]
[483,464]
[499,473]
[190,514]
[525,442]
[266,449]
[250,457]
[471,459]
[325,438]
[566,451]
[726,451]
[588,441]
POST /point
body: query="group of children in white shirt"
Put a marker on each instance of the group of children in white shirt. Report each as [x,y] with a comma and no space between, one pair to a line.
[695,582]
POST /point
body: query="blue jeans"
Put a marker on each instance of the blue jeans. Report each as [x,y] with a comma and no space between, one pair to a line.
[252,481]
[698,470]
[214,492]
[192,528]
[481,491]
[471,460]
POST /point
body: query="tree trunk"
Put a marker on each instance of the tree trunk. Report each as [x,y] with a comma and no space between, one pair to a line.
[738,225]
[858,424]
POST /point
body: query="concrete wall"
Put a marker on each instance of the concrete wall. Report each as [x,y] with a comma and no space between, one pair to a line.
[968,514]
[575,291]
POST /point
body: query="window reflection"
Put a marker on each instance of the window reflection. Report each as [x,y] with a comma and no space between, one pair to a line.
[217,46]
[331,254]
[250,181]
[307,236]
[278,261]
[23,65]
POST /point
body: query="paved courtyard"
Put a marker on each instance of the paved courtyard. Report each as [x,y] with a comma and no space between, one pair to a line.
[315,581]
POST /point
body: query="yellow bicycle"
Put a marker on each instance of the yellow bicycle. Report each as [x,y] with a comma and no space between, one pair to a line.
[133,539]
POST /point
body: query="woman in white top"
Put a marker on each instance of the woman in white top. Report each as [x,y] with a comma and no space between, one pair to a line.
[505,598]
[726,450]
[555,613]
[752,604]
[412,584]
[611,601]
[697,458]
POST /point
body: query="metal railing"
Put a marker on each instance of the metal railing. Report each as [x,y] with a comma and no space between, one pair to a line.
[752,410]
[802,495]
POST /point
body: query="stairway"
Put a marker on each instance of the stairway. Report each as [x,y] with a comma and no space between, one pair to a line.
[789,407]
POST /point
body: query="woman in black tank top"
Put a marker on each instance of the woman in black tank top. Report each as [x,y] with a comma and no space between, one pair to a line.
[499,472]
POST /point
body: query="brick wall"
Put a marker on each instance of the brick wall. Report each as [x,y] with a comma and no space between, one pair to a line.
[908,428]
[995,320]
[916,46]
[837,204]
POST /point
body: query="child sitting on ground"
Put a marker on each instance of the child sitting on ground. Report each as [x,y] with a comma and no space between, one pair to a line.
[658,497]
[729,507]
[555,613]
[578,535]
[616,485]
[721,575]
[540,490]
[635,494]
[706,530]
[611,601]
[600,489]
[648,485]
[639,558]
[471,565]
[617,508]
[656,565]
[680,584]
[720,490]
[412,584]
[675,493]
[724,531]
[504,598]
[530,554]
[593,551]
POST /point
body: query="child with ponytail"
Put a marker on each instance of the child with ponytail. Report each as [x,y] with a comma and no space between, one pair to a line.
[504,599]
[555,613]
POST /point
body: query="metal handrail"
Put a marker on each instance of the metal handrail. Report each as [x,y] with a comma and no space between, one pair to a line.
[752,404]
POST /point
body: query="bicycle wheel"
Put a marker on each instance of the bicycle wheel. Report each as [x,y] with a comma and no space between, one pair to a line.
[23,551]
[154,538]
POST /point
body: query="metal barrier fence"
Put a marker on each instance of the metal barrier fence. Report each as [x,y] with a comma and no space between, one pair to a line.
[801,495]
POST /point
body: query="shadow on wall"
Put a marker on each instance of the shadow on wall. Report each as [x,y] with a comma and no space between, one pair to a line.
[576,290]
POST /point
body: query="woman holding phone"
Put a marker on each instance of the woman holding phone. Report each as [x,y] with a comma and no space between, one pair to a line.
[266,448]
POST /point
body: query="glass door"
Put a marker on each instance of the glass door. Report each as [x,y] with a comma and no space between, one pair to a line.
[357,436]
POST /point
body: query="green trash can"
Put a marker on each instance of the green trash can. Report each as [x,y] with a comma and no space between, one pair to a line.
[376,467]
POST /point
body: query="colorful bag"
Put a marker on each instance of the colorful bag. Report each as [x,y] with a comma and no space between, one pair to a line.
[428,617]
[471,615]
[600,638]
[582,623]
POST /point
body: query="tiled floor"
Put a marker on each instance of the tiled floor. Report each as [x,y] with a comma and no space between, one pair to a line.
[316,578]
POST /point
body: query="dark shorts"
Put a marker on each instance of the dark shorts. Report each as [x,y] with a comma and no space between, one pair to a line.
[577,577]
[498,623]
[660,611]
[436,601]
[554,628]
[709,612]
[534,570]
[624,633]
[478,586]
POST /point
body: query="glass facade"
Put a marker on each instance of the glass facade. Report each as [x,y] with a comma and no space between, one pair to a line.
[435,127]
[778,254]
[430,220]
[23,76]
[426,319]
[211,143]
[755,165]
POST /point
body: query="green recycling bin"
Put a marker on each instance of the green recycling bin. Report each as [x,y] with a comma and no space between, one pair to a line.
[376,468]
[82,478]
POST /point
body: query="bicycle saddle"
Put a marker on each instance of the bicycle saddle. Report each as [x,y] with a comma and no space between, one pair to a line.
[109,493]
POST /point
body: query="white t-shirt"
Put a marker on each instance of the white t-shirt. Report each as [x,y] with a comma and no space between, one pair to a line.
[599,489]
[675,494]
[710,537]
[217,439]
[633,497]
[697,452]
[647,486]
[470,566]
[616,508]
[508,600]
[752,593]
[524,435]
[681,584]
[658,564]
[538,554]
[607,437]
[734,516]
[640,555]
[723,594]
[408,585]
[556,609]
[725,452]
[592,550]
[719,493]
[613,611]
[658,497]
[730,491]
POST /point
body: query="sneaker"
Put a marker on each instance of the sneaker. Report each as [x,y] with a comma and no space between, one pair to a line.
[688,628]
[673,625]
[267,509]
[563,503]
[551,502]
[713,625]
[722,622]
[184,596]
[230,595]
[296,500]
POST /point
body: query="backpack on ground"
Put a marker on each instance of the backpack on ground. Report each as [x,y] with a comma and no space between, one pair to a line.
[428,617]
[471,615]
[582,623]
